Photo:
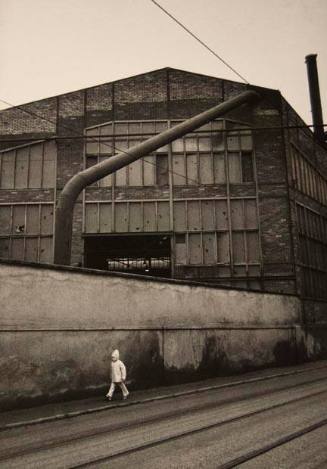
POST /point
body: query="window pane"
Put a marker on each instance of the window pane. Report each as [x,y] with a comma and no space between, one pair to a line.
[121,128]
[22,159]
[179,216]
[192,169]
[49,176]
[233,141]
[246,141]
[237,214]
[106,129]
[206,173]
[46,250]
[35,174]
[8,170]
[219,168]
[247,167]
[106,146]
[191,144]
[92,146]
[120,176]
[208,214]
[179,176]
[4,248]
[218,143]
[195,249]
[31,249]
[223,248]
[163,216]
[135,173]
[105,218]
[121,146]
[204,144]
[18,219]
[221,215]
[91,218]
[209,248]
[148,127]
[134,128]
[33,219]
[180,249]
[135,217]
[238,247]
[149,214]
[193,215]
[17,249]
[121,217]
[234,165]
[5,219]
[251,221]
[149,169]
[178,145]
[162,170]
[252,246]
[46,219]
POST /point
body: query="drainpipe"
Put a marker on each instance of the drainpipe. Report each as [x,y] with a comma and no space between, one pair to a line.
[311,61]
[69,194]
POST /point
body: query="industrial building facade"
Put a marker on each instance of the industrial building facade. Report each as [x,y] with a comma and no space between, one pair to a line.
[241,201]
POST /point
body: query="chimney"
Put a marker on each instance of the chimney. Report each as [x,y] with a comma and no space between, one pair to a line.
[318,128]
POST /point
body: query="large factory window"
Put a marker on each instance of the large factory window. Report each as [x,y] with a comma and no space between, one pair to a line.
[28,167]
[124,216]
[26,232]
[204,157]
[313,251]
[306,178]
[221,239]
[186,195]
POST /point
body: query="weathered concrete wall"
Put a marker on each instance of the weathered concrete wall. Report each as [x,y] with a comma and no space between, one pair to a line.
[58,327]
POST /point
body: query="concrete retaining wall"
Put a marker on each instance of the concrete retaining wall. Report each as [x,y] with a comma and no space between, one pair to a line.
[58,327]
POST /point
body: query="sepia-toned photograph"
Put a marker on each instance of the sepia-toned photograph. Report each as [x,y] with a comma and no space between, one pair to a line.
[163,234]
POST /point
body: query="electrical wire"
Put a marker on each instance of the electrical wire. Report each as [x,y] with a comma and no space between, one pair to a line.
[112,147]
[198,132]
[200,41]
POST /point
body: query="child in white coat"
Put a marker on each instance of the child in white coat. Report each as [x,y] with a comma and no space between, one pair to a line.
[118,376]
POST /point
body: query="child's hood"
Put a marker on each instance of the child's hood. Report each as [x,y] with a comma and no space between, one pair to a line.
[115,354]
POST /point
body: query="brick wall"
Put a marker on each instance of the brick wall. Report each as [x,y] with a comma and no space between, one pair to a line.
[17,122]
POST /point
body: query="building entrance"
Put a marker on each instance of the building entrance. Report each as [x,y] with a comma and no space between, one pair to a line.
[139,254]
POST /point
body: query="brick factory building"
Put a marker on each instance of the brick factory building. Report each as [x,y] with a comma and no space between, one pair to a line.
[240,202]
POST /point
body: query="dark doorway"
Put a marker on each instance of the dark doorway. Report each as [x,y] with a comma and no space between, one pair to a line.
[139,254]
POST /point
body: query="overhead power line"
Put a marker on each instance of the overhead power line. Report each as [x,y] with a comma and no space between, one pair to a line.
[200,41]
[142,135]
[112,147]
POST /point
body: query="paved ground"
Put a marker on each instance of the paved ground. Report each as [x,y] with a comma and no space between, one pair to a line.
[273,418]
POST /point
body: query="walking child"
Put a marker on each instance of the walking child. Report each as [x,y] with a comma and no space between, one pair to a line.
[118,376]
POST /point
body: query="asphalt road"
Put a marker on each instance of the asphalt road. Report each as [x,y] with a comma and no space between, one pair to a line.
[215,428]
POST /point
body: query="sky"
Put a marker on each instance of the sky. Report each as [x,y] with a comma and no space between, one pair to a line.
[49,47]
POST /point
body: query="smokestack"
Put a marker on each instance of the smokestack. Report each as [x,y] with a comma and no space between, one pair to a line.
[311,61]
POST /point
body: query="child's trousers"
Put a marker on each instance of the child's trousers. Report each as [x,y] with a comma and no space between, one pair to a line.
[122,387]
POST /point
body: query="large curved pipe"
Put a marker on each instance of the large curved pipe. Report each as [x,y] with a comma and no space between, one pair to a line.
[69,194]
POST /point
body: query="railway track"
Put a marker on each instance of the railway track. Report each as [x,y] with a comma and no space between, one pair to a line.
[235,462]
[252,455]
[152,431]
